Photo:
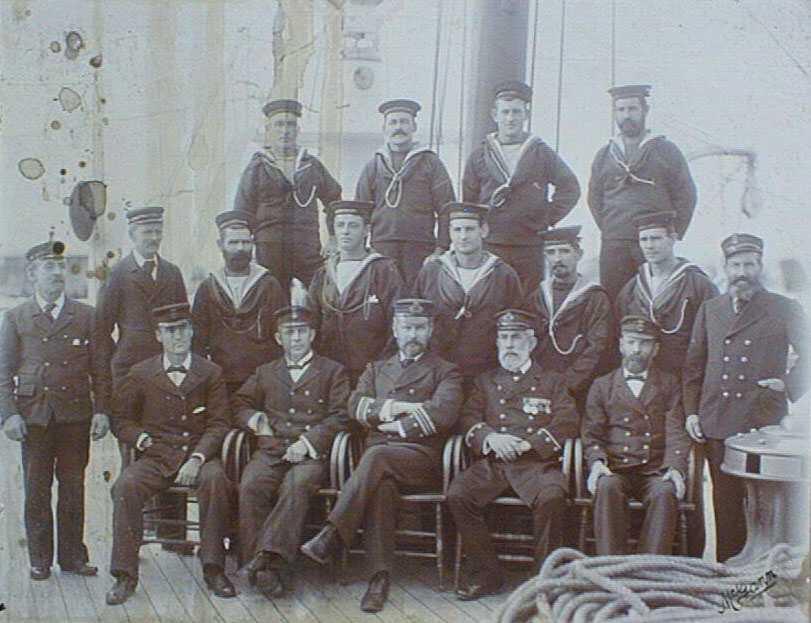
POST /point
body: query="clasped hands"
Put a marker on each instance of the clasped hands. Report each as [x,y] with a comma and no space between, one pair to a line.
[295,453]
[388,419]
[507,447]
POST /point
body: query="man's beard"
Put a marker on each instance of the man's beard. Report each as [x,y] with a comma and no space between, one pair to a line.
[238,262]
[743,288]
[635,364]
[512,360]
[561,272]
[631,128]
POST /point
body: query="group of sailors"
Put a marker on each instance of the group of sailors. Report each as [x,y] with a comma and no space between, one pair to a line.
[421,317]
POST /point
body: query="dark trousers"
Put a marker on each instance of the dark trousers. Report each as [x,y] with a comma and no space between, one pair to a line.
[143,479]
[370,498]
[472,490]
[63,449]
[290,258]
[728,494]
[619,262]
[274,497]
[527,261]
[409,257]
[611,513]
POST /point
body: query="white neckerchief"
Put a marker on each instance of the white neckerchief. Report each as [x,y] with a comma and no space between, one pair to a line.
[581,286]
[255,272]
[304,362]
[449,261]
[176,377]
[617,140]
[59,304]
[140,259]
[645,285]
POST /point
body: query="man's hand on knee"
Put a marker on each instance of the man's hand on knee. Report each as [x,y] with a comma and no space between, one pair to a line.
[598,468]
[674,476]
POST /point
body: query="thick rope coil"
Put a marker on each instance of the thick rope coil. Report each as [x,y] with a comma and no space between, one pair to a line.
[645,588]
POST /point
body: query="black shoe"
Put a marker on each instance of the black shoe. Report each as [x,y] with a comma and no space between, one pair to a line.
[477,589]
[378,592]
[121,591]
[40,573]
[219,584]
[321,547]
[182,549]
[258,563]
[272,586]
[80,569]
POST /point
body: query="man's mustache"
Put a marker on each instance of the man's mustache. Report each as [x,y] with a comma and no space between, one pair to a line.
[399,133]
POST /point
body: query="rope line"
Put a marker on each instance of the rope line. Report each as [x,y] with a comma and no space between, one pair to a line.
[646,588]
[560,72]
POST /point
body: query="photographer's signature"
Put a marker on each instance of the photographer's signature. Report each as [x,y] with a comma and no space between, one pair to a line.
[737,597]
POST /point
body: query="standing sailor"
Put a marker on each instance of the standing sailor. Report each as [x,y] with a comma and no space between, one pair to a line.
[280,188]
[637,172]
[234,306]
[512,171]
[408,185]
[468,286]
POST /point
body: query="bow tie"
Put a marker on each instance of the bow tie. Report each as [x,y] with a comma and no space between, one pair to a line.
[181,369]
[635,377]
[407,361]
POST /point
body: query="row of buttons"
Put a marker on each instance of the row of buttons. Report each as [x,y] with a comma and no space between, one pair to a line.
[744,359]
[746,342]
[516,379]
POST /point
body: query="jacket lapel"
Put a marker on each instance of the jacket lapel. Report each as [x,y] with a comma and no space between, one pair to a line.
[750,314]
[414,372]
[311,373]
[64,319]
[194,376]
[624,392]
[39,318]
[649,388]
[162,379]
[143,281]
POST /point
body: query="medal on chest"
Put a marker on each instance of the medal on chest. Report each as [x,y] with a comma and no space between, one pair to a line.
[536,406]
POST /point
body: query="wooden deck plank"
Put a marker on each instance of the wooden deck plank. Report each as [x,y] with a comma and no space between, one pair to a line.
[228,609]
[426,576]
[320,582]
[77,597]
[195,601]
[152,584]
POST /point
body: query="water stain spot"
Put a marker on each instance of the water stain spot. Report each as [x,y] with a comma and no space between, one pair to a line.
[63,171]
[56,47]
[31,168]
[96,61]
[69,99]
[106,475]
[73,45]
[22,542]
[82,164]
[111,217]
[105,121]
[55,125]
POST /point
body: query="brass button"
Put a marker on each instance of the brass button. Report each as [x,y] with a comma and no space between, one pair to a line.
[410,390]
[741,377]
[185,448]
[724,377]
[532,389]
[725,394]
[306,392]
[503,429]
[644,460]
[625,460]
[646,417]
[726,357]
[647,434]
[309,411]
[293,393]
[185,433]
[47,363]
[530,429]
[727,341]
[45,388]
[307,427]
[291,410]
[531,417]
[183,417]
[45,339]
[744,359]
[627,433]
[516,378]
[625,419]
[738,395]
[502,401]
[290,423]
[502,416]
[747,342]
[645,446]
[626,448]
[678,451]
[498,387]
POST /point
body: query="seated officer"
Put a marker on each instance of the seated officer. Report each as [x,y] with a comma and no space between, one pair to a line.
[408,403]
[635,444]
[173,408]
[294,405]
[516,421]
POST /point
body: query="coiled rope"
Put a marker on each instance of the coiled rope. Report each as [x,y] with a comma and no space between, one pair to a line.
[646,588]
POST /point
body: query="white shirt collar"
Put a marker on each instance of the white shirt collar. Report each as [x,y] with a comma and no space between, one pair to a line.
[186,362]
[303,362]
[60,303]
[643,374]
[403,357]
[140,259]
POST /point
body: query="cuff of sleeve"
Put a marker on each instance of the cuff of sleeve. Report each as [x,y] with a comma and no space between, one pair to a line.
[310,449]
[486,449]
[253,422]
[141,438]
[371,411]
[469,435]
[199,455]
